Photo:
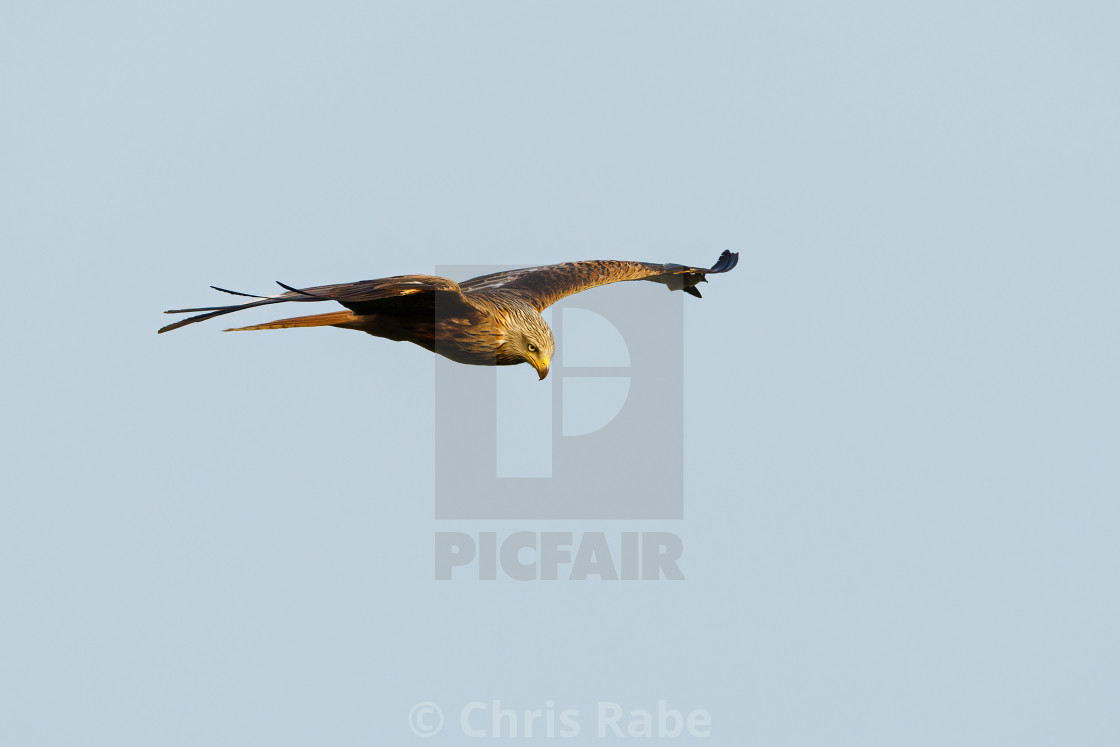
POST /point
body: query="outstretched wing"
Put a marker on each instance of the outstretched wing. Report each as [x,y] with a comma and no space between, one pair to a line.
[545,285]
[403,293]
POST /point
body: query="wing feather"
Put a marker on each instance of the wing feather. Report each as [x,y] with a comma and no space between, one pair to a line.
[545,285]
[360,297]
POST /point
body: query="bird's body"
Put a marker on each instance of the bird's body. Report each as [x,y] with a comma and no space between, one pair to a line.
[492,320]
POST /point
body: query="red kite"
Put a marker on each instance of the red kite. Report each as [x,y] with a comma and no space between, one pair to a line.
[491,320]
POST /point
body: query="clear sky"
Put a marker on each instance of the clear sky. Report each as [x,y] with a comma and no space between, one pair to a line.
[901,411]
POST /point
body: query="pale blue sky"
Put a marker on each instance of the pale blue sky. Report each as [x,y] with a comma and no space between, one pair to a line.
[901,409]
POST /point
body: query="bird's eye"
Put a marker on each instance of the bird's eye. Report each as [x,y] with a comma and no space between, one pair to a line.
[532,348]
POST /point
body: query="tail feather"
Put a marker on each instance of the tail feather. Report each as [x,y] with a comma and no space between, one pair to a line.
[332,319]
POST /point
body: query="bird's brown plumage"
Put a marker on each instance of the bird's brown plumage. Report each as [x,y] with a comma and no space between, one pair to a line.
[488,320]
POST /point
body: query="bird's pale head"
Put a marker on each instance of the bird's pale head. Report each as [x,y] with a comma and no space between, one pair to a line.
[533,341]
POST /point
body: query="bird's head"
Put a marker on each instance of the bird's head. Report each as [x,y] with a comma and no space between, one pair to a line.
[534,343]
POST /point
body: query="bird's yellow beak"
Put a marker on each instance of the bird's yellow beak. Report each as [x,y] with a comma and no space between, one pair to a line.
[542,368]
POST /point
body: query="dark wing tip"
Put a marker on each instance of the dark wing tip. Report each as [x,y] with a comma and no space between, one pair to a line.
[191,311]
[176,325]
[726,261]
[236,293]
[692,291]
[300,292]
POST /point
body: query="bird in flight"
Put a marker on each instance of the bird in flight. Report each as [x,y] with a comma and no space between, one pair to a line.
[490,320]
